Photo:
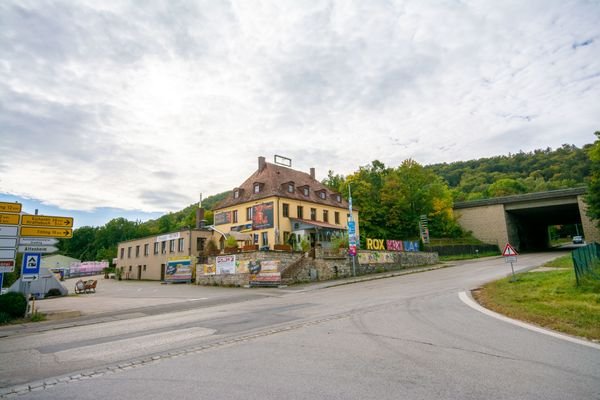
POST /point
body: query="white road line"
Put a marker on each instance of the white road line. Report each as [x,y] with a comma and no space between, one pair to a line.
[466,298]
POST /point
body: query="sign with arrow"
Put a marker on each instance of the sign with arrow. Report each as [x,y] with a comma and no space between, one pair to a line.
[10,207]
[46,220]
[37,241]
[63,233]
[9,219]
[37,249]
[9,230]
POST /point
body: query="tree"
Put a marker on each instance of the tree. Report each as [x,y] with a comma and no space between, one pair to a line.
[593,195]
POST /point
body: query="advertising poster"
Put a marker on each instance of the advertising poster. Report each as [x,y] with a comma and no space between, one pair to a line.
[223,218]
[209,269]
[178,270]
[264,273]
[225,265]
[262,216]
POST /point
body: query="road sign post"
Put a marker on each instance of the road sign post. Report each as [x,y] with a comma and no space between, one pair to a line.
[510,256]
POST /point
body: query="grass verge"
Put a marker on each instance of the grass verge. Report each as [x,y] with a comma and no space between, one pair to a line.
[468,256]
[549,299]
[565,261]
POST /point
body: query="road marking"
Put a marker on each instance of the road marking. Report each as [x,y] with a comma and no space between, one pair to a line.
[468,300]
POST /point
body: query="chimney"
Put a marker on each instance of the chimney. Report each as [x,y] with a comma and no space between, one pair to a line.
[200,218]
[312,173]
[261,163]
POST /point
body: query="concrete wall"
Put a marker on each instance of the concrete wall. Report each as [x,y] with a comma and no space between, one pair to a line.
[488,223]
[591,233]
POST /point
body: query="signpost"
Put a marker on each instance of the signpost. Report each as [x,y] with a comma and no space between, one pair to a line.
[37,249]
[46,220]
[63,233]
[510,256]
[9,219]
[10,207]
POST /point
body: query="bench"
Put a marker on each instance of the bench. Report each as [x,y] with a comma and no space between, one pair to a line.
[86,287]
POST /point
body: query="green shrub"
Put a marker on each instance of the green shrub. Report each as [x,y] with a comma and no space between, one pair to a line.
[37,317]
[4,317]
[231,242]
[14,304]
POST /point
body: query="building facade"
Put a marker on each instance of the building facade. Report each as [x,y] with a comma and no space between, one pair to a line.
[146,258]
[279,205]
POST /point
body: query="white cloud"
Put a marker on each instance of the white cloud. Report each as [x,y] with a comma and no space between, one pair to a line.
[108,104]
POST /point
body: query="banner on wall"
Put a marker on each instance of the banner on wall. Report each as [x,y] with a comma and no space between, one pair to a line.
[225,265]
[262,216]
[264,273]
[222,218]
[392,245]
[209,269]
[178,269]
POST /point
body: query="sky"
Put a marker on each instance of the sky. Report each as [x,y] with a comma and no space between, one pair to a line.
[131,109]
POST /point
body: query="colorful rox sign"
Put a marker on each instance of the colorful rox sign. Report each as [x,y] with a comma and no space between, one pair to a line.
[392,245]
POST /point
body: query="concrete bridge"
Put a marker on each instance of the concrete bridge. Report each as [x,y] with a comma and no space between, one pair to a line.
[523,220]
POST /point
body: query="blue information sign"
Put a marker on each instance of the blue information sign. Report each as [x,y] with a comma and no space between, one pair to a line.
[31,264]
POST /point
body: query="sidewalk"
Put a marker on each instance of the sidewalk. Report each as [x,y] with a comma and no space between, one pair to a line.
[119,300]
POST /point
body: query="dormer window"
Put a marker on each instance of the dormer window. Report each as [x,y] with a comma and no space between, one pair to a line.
[306,191]
[236,194]
[338,198]
[290,187]
[322,194]
[257,187]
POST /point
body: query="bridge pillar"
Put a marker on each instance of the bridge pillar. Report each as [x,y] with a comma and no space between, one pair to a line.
[487,223]
[591,233]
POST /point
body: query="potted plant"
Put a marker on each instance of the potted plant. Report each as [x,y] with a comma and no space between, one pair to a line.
[231,245]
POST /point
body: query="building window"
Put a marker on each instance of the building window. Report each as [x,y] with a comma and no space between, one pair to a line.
[130,268]
[300,212]
[322,194]
[235,216]
[255,238]
[137,251]
[286,210]
[248,213]
[172,246]
[325,216]
[146,249]
[257,188]
[338,198]
[156,247]
[122,252]
[306,191]
[236,194]
[163,247]
[265,238]
[144,268]
[313,214]
[290,188]
[129,252]
[180,245]
[336,215]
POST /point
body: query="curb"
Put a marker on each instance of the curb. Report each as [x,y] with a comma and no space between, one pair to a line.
[466,298]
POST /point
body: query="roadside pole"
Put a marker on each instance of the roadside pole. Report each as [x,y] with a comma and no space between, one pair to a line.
[351,233]
[510,256]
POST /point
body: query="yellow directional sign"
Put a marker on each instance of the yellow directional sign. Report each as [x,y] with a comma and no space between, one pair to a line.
[46,220]
[9,219]
[10,207]
[63,233]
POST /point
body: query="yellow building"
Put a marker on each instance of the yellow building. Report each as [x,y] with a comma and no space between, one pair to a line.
[279,205]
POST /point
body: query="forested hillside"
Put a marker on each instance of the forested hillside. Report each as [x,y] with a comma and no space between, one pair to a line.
[536,171]
[391,199]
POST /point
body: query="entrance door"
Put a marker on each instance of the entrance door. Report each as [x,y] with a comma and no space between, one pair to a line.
[162,272]
[139,272]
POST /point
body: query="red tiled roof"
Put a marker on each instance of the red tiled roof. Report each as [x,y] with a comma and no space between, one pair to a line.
[274,178]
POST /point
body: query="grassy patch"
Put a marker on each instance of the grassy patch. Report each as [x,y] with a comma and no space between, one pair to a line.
[565,261]
[550,299]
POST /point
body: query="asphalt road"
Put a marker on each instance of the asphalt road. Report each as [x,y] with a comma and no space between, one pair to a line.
[407,337]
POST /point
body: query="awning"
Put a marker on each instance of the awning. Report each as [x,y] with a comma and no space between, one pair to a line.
[310,224]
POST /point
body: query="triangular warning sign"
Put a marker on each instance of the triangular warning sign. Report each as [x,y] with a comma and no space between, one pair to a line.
[509,251]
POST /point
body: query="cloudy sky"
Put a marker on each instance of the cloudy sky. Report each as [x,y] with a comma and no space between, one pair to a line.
[116,108]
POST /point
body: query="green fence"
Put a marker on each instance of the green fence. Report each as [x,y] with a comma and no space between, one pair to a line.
[586,261]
